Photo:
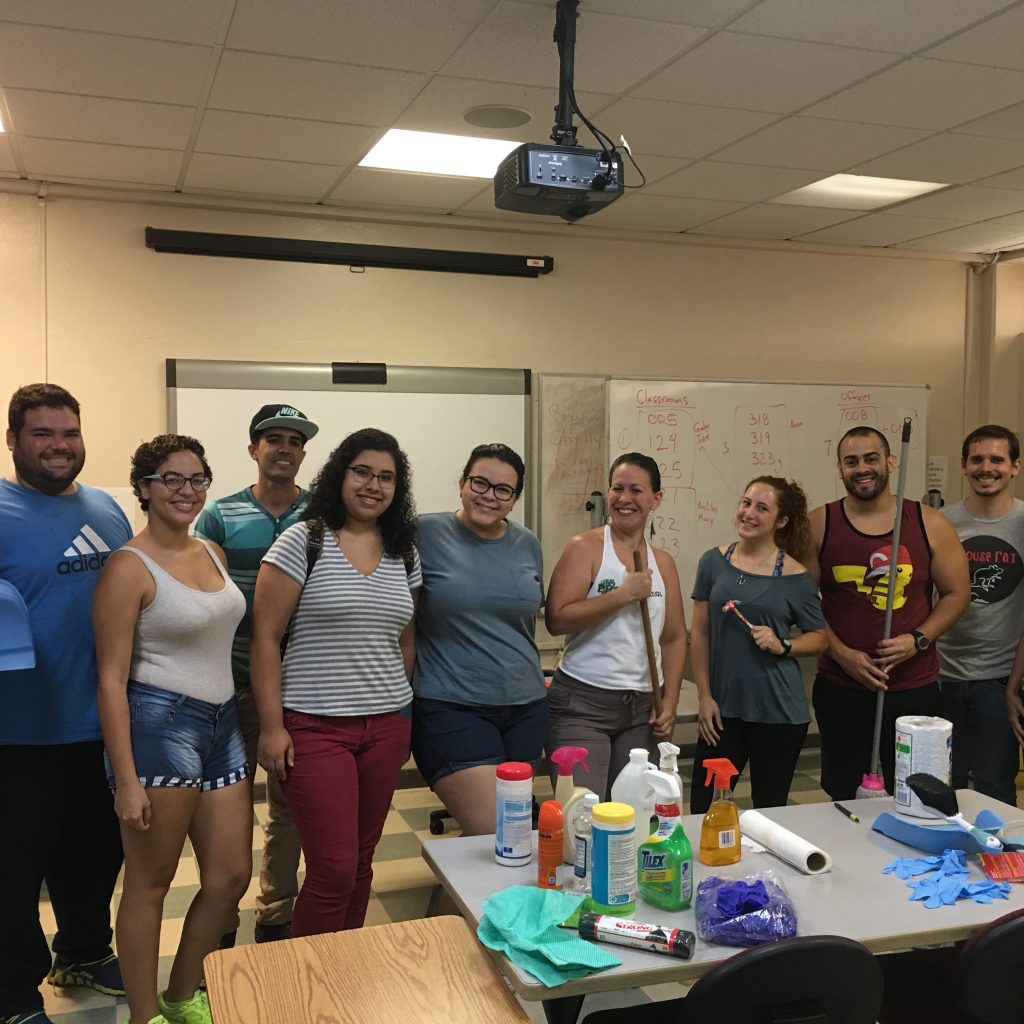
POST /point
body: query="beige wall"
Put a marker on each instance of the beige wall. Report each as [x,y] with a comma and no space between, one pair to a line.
[114,310]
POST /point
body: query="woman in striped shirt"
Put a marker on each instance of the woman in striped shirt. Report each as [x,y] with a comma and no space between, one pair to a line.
[338,589]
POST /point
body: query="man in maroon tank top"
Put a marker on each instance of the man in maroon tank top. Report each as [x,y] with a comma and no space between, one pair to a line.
[851,542]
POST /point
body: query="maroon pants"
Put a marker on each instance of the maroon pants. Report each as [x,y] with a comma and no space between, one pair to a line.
[339,792]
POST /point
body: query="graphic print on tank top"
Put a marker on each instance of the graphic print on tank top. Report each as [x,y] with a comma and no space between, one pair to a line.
[872,579]
[995,567]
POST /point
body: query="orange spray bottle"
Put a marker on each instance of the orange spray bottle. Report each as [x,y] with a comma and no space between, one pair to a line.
[549,845]
[720,829]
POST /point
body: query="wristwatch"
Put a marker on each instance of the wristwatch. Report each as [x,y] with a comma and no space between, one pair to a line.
[921,642]
[787,646]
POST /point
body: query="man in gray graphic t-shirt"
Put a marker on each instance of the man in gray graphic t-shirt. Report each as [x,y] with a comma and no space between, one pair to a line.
[976,654]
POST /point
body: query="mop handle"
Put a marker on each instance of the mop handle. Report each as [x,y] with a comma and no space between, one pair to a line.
[652,658]
[901,486]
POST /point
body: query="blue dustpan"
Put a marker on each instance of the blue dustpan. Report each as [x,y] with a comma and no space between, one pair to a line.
[937,838]
[16,647]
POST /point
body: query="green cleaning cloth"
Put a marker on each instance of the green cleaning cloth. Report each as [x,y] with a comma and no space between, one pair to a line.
[522,922]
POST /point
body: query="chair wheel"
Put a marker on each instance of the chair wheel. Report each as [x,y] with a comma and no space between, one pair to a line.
[436,827]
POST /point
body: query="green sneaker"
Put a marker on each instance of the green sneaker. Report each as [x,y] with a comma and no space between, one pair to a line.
[102,975]
[189,1011]
[158,1019]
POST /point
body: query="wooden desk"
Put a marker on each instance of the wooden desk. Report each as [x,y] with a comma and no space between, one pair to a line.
[853,899]
[431,971]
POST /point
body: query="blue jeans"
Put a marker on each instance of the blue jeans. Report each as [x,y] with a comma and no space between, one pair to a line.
[984,746]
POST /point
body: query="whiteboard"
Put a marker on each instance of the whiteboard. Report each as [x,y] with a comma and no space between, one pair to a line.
[711,438]
[573,457]
[437,414]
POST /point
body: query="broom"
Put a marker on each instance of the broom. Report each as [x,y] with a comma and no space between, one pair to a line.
[871,785]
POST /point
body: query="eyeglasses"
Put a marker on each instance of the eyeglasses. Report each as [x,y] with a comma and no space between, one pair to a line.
[175,481]
[481,485]
[364,475]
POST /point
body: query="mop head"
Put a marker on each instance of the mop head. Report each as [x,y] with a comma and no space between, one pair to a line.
[871,786]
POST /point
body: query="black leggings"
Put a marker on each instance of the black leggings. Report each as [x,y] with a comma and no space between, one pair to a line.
[772,751]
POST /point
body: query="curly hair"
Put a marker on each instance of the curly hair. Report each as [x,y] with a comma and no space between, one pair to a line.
[151,455]
[502,453]
[794,537]
[398,522]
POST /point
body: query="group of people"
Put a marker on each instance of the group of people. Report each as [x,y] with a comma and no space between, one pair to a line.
[323,633]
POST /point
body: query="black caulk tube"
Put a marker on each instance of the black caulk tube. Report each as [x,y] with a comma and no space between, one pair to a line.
[653,937]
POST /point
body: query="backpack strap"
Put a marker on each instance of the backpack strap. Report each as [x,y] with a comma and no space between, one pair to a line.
[314,545]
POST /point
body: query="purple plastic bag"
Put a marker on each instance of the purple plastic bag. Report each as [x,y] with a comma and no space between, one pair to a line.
[744,912]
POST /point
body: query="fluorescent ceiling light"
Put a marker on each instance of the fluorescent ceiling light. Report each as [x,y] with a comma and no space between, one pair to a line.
[857,192]
[433,153]
[2,128]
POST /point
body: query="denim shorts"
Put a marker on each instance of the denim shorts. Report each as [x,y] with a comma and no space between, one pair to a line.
[448,737]
[179,741]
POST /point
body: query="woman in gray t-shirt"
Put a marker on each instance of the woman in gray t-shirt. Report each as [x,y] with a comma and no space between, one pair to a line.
[747,596]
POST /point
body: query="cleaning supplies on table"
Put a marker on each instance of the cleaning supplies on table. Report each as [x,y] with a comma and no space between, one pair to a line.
[523,923]
[613,888]
[669,762]
[568,794]
[747,912]
[936,838]
[513,827]
[583,843]
[656,938]
[549,845]
[630,787]
[720,829]
[923,744]
[945,880]
[664,872]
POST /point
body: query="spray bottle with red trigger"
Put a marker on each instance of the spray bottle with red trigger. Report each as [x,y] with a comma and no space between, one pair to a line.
[720,829]
[569,795]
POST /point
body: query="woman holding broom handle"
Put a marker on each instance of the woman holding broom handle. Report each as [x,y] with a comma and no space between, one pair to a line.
[747,595]
[600,697]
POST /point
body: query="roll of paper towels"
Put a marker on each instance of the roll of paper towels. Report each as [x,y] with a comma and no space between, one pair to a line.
[923,744]
[786,845]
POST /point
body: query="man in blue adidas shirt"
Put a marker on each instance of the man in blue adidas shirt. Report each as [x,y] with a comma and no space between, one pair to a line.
[245,525]
[55,805]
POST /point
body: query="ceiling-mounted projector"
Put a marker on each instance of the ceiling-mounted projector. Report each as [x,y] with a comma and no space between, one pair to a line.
[561,179]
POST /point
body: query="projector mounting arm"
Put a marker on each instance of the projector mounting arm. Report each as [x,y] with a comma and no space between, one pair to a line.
[563,132]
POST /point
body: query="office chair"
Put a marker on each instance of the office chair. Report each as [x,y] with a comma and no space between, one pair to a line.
[989,977]
[817,979]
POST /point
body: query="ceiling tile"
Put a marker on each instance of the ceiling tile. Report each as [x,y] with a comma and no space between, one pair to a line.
[710,179]
[1001,233]
[365,185]
[996,42]
[925,94]
[654,168]
[317,90]
[901,26]
[281,138]
[514,45]
[7,161]
[418,36]
[878,229]
[948,158]
[258,177]
[58,60]
[817,144]
[705,13]
[677,129]
[184,21]
[1009,179]
[965,203]
[59,115]
[1003,124]
[752,72]
[482,205]
[441,105]
[767,221]
[57,160]
[660,213]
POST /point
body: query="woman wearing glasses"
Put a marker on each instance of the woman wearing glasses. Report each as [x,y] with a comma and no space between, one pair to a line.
[480,696]
[164,615]
[337,592]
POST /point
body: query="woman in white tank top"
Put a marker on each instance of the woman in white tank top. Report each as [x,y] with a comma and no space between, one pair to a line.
[600,697]
[164,614]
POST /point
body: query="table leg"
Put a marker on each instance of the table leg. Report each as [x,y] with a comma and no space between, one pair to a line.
[565,1010]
